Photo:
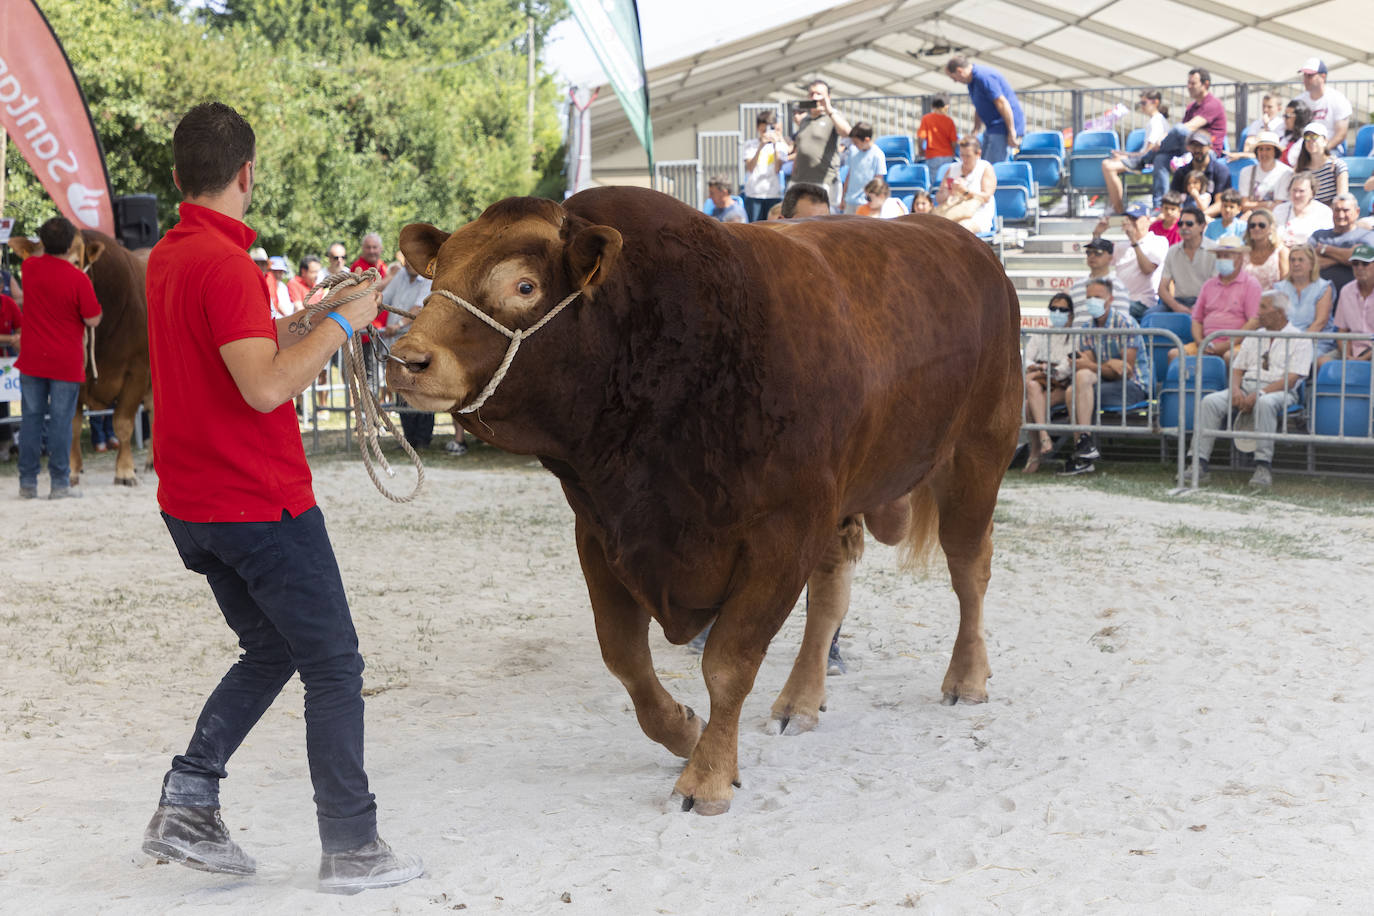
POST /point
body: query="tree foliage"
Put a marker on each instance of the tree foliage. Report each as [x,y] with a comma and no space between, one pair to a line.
[369,114]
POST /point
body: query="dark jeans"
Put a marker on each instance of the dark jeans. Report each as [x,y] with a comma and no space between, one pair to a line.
[418,427]
[102,429]
[756,208]
[41,396]
[278,585]
[1175,143]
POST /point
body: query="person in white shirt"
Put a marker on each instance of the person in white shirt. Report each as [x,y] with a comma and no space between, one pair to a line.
[763,159]
[281,302]
[1328,105]
[1270,119]
[1138,264]
[408,290]
[1157,110]
[1302,214]
[880,202]
[1266,182]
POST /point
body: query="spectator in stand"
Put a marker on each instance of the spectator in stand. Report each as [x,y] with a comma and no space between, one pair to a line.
[408,290]
[1048,368]
[1205,116]
[1311,301]
[1330,176]
[921,202]
[336,261]
[1138,265]
[1170,208]
[1105,372]
[1266,182]
[1355,307]
[59,305]
[1098,253]
[1264,378]
[1301,214]
[879,201]
[269,283]
[1186,267]
[1296,116]
[1196,193]
[720,205]
[1267,261]
[370,256]
[937,136]
[802,200]
[866,162]
[1335,245]
[1227,302]
[816,134]
[279,270]
[1328,107]
[763,159]
[966,194]
[1270,119]
[11,319]
[308,274]
[1212,168]
[1229,221]
[1157,110]
[994,106]
[10,286]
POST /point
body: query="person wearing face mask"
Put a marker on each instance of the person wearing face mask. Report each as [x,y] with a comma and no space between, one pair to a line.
[1105,372]
[1227,302]
[1264,379]
[1048,367]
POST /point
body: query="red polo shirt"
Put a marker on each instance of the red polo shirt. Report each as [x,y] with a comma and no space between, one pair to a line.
[10,321]
[57,297]
[218,459]
[358,267]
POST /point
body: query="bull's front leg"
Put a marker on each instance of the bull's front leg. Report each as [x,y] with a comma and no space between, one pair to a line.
[622,628]
[799,705]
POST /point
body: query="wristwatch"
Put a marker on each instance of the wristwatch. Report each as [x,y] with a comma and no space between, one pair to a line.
[1321,250]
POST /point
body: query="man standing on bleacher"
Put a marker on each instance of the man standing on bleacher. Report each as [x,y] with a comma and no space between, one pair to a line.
[994,105]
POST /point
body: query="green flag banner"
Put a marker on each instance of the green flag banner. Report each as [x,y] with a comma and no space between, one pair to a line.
[612,28]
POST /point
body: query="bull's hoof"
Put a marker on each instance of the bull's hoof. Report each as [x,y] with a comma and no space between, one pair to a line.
[795,723]
[970,697]
[126,481]
[680,802]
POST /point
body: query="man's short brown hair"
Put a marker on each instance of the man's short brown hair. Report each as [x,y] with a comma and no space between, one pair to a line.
[211,143]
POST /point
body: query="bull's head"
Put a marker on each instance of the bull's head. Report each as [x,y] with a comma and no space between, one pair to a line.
[83,253]
[514,263]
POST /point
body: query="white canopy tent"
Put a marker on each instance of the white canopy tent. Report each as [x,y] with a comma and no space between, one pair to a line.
[899,48]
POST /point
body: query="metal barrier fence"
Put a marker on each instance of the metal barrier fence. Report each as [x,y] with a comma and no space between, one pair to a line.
[718,151]
[749,115]
[680,178]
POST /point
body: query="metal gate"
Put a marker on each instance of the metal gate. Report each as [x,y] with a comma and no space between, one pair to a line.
[719,154]
[680,178]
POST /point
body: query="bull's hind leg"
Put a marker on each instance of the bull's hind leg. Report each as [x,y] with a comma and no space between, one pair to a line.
[967,496]
[798,708]
[622,628]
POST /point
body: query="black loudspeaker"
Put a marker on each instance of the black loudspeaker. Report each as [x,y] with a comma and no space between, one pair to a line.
[136,220]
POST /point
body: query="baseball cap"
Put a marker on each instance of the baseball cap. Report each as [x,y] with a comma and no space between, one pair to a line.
[1100,245]
[1136,211]
[1200,136]
[277,262]
[258,254]
[1268,138]
[1318,128]
[1313,65]
[1363,253]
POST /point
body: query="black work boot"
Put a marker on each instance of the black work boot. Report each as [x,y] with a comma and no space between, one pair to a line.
[367,867]
[195,837]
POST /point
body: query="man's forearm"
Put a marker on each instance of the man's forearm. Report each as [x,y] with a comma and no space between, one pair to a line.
[1004,109]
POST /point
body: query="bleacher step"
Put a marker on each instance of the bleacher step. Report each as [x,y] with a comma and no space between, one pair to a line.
[1049,280]
[1058,243]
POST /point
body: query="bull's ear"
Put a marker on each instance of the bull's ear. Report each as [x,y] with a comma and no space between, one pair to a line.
[94,249]
[420,243]
[591,254]
[25,248]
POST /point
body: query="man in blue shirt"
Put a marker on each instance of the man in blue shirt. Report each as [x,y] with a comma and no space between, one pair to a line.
[994,106]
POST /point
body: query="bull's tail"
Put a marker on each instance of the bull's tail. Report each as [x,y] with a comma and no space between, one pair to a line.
[923,533]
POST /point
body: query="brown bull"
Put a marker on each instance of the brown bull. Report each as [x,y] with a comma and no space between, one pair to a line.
[725,407]
[121,342]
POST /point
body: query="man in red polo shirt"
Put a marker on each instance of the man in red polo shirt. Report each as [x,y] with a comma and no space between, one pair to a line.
[371,256]
[235,492]
[59,304]
[10,320]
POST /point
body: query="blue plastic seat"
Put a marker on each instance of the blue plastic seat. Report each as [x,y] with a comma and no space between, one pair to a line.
[1018,198]
[1180,324]
[1085,162]
[710,209]
[1043,150]
[1178,392]
[1361,168]
[896,148]
[1348,418]
[905,176]
[1364,141]
[1135,140]
[1236,166]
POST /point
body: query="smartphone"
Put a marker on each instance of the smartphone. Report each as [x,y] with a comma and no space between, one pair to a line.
[808,103]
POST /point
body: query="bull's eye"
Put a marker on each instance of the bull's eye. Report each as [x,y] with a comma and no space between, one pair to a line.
[525,287]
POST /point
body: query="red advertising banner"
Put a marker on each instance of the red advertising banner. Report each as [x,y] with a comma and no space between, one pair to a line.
[44,113]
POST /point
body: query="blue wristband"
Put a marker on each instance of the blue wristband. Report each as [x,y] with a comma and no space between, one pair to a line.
[343,322]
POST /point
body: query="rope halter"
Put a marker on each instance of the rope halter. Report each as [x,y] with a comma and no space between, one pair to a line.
[516,337]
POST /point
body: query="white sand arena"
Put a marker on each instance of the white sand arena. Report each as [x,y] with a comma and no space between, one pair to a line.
[1180,719]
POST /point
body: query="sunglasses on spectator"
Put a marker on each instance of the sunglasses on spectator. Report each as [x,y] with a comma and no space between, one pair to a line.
[1259,225]
[1187,222]
[1060,308]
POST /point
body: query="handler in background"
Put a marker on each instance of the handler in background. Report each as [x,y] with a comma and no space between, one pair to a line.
[235,492]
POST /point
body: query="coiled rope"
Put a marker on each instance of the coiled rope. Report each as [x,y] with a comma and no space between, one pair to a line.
[370,418]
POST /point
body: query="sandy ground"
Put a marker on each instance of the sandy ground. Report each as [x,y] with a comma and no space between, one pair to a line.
[1179,722]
